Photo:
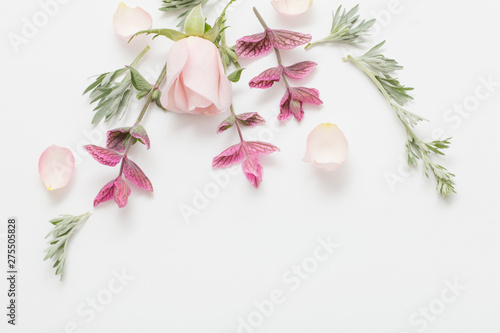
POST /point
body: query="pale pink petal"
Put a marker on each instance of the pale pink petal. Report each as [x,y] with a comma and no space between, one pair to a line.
[56,166]
[253,170]
[292,7]
[127,21]
[122,192]
[253,46]
[230,156]
[326,147]
[204,78]
[267,78]
[104,156]
[300,70]
[133,173]
[106,193]
[225,89]
[257,148]
[174,94]
[287,40]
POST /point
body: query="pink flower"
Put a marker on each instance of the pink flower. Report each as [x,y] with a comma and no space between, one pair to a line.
[127,21]
[292,101]
[56,167]
[326,147]
[292,7]
[195,81]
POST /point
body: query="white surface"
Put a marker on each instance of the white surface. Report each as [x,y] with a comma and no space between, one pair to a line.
[397,248]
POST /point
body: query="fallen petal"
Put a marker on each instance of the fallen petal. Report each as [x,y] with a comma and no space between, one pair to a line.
[56,166]
[292,7]
[127,21]
[326,147]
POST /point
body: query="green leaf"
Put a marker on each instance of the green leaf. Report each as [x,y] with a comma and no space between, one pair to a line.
[236,75]
[143,94]
[195,22]
[138,81]
[169,33]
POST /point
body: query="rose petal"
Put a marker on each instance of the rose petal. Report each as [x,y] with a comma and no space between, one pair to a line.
[56,166]
[292,7]
[127,21]
[326,147]
[196,82]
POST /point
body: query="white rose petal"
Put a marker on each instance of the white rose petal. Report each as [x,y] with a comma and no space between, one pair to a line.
[127,21]
[56,167]
[292,7]
[326,147]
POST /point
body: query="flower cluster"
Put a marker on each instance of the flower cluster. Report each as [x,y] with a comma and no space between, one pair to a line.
[261,44]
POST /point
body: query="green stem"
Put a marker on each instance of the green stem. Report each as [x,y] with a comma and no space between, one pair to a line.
[386,95]
[259,17]
[144,110]
[236,63]
[138,58]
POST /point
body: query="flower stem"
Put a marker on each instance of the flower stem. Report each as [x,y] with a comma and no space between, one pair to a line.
[237,125]
[223,44]
[386,95]
[139,57]
[143,111]
[259,17]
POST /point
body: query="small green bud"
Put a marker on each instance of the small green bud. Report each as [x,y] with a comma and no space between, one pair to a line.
[195,22]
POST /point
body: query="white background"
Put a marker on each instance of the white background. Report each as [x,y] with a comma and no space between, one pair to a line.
[398,245]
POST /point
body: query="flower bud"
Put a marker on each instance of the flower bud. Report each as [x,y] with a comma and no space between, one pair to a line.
[195,22]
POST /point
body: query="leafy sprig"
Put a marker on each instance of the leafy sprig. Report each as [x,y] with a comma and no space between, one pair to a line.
[381,71]
[346,27]
[64,227]
[177,5]
[113,90]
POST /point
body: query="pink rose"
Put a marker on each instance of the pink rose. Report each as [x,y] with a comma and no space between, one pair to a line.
[195,81]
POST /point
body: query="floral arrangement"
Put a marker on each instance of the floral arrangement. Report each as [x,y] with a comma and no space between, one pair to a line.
[196,80]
